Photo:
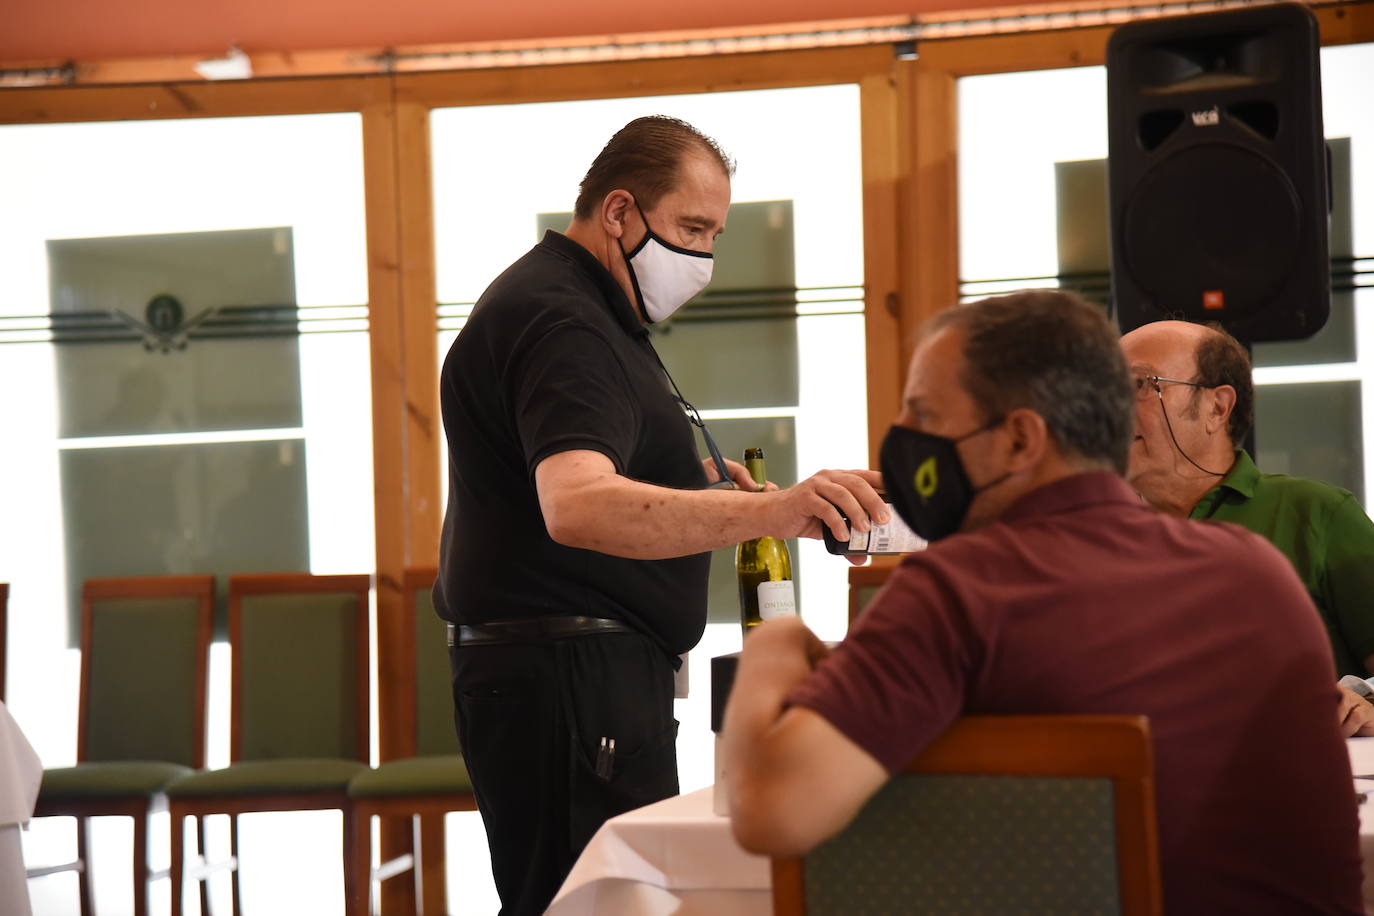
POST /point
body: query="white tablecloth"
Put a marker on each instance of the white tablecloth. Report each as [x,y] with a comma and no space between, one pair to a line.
[20,775]
[674,856]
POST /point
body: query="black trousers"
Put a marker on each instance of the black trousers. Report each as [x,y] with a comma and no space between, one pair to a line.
[530,719]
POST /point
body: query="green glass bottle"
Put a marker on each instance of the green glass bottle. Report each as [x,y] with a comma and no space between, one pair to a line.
[763,567]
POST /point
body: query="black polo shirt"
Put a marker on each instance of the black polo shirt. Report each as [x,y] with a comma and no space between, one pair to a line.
[554,359]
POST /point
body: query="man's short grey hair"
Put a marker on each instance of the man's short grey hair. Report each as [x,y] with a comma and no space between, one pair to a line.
[1056,354]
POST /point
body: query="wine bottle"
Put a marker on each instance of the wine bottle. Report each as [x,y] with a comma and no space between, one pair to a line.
[763,567]
[894,537]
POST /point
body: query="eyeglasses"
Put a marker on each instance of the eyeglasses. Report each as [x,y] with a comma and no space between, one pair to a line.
[1145,384]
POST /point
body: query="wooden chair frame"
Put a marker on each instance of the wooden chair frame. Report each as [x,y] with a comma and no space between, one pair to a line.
[4,633]
[234,805]
[426,813]
[1113,747]
[861,577]
[141,810]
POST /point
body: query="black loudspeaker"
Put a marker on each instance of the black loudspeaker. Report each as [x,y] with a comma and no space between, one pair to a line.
[1217,172]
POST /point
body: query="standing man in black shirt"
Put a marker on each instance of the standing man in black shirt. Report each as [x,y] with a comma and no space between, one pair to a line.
[574,558]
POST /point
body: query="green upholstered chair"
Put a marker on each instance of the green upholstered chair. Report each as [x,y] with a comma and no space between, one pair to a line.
[141,713]
[1045,814]
[426,786]
[298,711]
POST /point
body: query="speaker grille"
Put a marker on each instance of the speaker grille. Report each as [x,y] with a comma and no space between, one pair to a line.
[1209,220]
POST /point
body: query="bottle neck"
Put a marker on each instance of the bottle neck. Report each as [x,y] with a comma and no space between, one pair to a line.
[757,470]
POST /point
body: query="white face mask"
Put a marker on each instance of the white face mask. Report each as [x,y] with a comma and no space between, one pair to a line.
[664,275]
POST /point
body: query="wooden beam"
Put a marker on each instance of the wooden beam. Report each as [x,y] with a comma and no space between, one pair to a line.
[1347,24]
[395,637]
[879,126]
[643,77]
[930,281]
[419,329]
[1010,53]
[380,176]
[201,99]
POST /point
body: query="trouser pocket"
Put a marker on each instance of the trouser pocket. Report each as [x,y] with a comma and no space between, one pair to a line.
[616,688]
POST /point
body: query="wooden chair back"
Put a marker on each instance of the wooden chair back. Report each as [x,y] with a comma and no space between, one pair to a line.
[434,728]
[299,672]
[1051,813]
[866,581]
[144,648]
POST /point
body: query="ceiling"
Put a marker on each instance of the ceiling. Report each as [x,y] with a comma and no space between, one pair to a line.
[52,30]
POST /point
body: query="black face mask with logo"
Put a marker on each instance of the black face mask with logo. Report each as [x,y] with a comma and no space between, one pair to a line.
[926,481]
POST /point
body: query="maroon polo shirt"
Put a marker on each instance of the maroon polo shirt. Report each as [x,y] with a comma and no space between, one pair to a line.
[1080,599]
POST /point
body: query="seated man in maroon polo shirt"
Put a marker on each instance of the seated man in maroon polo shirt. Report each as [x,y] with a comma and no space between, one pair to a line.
[1049,587]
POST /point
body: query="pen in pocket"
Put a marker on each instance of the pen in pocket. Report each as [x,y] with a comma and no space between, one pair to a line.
[605,758]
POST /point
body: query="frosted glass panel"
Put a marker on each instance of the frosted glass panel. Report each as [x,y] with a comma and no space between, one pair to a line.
[1014,129]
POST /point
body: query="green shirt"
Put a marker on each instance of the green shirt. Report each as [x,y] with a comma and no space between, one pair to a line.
[1324,533]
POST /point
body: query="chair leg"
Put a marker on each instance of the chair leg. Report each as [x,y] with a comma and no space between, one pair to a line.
[142,871]
[359,863]
[202,886]
[397,898]
[351,841]
[234,890]
[83,856]
[430,884]
[178,857]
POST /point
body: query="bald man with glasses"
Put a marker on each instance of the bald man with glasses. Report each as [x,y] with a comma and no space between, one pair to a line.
[1194,406]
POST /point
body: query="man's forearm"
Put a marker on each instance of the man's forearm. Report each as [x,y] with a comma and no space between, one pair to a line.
[774,661]
[587,504]
[793,779]
[627,518]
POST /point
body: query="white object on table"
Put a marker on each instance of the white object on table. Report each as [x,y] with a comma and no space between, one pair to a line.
[674,856]
[1362,765]
[682,685]
[21,773]
[1361,755]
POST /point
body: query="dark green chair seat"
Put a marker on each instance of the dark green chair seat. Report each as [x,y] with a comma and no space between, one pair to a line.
[437,775]
[269,777]
[113,779]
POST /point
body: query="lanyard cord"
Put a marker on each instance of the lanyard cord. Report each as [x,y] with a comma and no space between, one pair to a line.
[694,417]
[1165,411]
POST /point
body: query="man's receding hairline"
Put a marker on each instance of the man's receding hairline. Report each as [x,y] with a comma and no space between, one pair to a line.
[1208,335]
[699,149]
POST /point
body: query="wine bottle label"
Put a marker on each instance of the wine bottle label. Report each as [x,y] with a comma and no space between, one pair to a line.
[894,537]
[776,599]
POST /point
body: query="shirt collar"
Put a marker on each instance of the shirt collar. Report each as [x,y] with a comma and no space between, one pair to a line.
[611,292]
[1243,476]
[1078,491]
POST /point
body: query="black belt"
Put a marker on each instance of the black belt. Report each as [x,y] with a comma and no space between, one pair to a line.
[532,630]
